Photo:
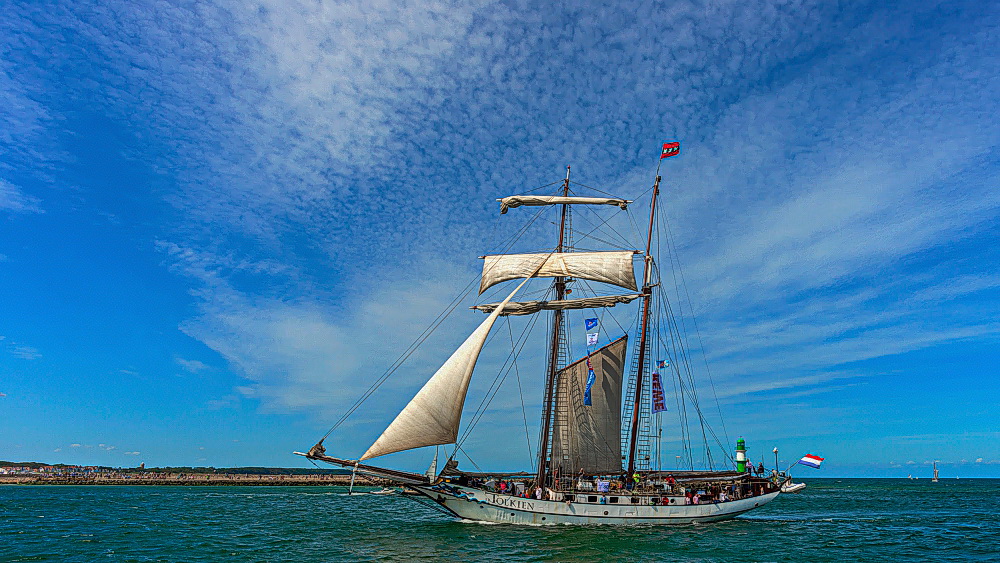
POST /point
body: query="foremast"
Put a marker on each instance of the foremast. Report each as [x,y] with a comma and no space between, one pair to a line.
[556,340]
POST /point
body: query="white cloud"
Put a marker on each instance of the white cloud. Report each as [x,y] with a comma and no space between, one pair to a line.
[812,270]
[25,352]
[795,206]
[14,200]
[228,401]
[323,151]
[301,354]
[24,119]
[192,366]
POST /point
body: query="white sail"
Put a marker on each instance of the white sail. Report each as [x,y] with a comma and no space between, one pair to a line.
[529,307]
[432,471]
[433,415]
[519,200]
[605,267]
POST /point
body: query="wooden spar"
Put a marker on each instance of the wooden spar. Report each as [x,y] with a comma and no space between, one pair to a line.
[647,292]
[557,318]
[394,474]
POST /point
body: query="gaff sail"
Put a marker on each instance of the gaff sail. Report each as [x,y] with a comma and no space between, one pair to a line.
[589,437]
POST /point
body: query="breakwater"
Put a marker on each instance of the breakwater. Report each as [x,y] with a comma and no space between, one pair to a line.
[192,479]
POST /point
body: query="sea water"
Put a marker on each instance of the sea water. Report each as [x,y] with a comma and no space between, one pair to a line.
[831,520]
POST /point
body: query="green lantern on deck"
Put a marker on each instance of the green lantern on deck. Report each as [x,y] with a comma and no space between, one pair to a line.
[741,455]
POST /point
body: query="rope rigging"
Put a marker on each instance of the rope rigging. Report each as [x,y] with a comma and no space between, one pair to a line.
[425,334]
[668,333]
[520,393]
[672,252]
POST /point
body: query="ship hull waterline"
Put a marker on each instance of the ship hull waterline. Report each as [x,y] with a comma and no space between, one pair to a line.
[478,505]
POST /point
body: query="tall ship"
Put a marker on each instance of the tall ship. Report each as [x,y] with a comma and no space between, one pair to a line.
[598,456]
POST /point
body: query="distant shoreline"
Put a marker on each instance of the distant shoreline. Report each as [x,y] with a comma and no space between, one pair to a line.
[194,479]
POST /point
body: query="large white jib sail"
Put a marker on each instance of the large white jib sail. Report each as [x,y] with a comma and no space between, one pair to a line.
[433,415]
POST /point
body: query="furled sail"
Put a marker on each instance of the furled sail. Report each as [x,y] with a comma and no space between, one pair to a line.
[588,437]
[433,415]
[606,267]
[529,307]
[519,200]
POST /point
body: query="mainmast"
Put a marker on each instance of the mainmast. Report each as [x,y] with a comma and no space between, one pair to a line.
[647,295]
[557,321]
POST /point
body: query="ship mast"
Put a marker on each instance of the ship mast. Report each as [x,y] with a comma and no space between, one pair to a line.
[550,383]
[647,296]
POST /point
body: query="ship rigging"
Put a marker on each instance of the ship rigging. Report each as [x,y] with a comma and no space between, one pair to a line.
[599,447]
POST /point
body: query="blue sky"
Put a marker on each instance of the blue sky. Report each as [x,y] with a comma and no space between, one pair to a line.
[220,222]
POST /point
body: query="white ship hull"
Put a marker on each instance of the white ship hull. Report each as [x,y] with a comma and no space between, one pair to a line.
[475,504]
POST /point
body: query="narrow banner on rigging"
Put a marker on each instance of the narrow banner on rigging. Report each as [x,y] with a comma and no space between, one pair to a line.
[590,324]
[591,378]
[659,401]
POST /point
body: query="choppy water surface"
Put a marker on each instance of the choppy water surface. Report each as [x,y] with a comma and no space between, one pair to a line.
[832,520]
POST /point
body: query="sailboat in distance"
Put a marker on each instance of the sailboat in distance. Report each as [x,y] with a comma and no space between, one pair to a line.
[935,479]
[597,458]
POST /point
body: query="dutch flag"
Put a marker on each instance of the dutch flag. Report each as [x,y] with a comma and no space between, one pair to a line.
[811,460]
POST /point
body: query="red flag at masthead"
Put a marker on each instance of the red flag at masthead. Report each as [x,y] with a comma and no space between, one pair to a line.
[670,148]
